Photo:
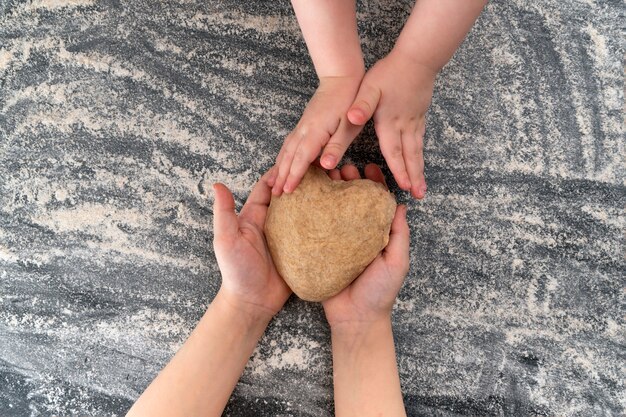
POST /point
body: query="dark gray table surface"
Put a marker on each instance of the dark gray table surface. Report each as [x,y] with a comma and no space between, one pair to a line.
[116,116]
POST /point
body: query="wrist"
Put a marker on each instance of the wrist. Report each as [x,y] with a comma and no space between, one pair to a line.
[355,339]
[365,373]
[246,314]
[416,60]
[354,77]
[354,329]
[348,67]
[352,67]
[345,85]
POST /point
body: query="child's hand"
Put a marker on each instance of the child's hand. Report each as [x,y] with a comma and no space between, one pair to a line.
[249,279]
[371,296]
[397,92]
[324,125]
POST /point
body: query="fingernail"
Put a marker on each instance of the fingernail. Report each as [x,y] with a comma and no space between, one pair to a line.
[330,161]
[359,115]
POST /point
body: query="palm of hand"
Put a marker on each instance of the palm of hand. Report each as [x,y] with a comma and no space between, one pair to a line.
[248,271]
[367,298]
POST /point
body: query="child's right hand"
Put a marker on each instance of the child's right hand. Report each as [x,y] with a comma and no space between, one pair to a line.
[371,296]
[323,125]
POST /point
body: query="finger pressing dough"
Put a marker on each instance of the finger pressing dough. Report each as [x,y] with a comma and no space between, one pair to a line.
[325,233]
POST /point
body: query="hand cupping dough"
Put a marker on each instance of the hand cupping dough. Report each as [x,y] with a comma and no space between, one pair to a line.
[324,234]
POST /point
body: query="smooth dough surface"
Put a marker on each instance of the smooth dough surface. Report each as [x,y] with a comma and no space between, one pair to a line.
[325,233]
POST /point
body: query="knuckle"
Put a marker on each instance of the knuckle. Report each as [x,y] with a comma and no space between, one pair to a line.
[303,130]
[364,105]
[287,156]
[300,157]
[334,148]
[395,151]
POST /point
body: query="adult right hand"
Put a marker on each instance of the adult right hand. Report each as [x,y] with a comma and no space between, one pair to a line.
[371,296]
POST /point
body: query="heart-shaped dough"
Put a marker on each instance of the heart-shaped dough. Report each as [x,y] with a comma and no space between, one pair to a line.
[325,233]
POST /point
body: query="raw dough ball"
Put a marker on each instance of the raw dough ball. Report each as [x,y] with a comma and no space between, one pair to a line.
[324,234]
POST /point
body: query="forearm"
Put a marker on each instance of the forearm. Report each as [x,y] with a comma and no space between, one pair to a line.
[436,28]
[330,32]
[200,378]
[365,373]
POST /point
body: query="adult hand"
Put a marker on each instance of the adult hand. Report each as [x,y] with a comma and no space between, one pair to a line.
[249,278]
[371,296]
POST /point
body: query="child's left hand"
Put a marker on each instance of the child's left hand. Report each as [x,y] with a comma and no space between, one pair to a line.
[249,279]
[397,91]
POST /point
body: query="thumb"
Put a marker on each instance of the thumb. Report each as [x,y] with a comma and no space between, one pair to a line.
[397,251]
[224,218]
[364,104]
[338,143]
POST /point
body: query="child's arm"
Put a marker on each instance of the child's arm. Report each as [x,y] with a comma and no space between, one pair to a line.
[201,376]
[330,31]
[364,362]
[397,90]
[435,30]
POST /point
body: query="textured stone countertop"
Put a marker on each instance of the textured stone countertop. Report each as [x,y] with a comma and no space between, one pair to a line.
[116,116]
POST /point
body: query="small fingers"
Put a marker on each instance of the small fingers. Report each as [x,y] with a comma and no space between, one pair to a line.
[396,253]
[273,173]
[374,173]
[308,150]
[255,207]
[391,148]
[334,174]
[283,163]
[413,155]
[350,172]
